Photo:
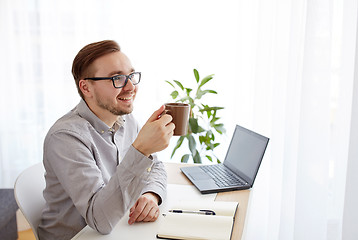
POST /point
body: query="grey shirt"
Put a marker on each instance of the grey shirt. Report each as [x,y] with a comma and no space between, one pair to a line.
[93,173]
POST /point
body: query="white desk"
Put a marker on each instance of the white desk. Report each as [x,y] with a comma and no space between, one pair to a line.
[179,188]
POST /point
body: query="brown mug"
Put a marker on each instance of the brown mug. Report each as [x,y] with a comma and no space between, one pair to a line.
[180,114]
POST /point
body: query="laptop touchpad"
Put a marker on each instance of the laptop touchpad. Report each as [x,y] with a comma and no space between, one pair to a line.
[200,176]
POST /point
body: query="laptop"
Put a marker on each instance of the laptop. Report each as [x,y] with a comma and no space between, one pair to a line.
[239,169]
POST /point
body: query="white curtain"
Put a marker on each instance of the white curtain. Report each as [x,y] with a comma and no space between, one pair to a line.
[303,78]
[283,68]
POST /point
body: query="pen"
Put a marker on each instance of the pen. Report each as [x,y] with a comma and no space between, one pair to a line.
[203,212]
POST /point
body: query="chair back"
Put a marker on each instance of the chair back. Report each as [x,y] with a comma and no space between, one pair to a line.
[28,190]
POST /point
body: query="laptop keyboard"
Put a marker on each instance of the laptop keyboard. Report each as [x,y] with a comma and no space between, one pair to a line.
[222,176]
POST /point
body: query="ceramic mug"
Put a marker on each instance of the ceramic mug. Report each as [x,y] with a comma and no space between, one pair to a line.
[180,114]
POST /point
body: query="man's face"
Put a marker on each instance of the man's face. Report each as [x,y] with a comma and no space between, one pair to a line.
[118,101]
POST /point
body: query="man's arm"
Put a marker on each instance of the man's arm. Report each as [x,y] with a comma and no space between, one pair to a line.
[71,157]
[158,131]
[100,204]
[146,208]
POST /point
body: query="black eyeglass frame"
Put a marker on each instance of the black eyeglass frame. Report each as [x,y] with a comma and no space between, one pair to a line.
[116,77]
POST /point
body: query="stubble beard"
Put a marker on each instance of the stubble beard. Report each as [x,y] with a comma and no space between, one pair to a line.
[114,109]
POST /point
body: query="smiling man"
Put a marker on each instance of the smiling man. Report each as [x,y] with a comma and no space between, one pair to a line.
[99,163]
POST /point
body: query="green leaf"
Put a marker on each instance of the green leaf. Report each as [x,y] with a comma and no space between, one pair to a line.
[174,94]
[179,142]
[185,158]
[201,93]
[191,102]
[197,158]
[170,84]
[194,126]
[207,108]
[205,140]
[179,84]
[214,114]
[211,91]
[210,135]
[196,74]
[188,90]
[208,113]
[192,144]
[214,119]
[219,128]
[200,130]
[209,157]
[184,99]
[206,79]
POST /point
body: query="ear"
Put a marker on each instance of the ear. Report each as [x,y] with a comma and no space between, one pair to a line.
[85,87]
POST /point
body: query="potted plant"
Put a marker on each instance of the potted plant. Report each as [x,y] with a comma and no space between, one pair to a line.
[204,123]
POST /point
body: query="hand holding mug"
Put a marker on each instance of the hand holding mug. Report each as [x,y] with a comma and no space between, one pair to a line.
[155,134]
[180,114]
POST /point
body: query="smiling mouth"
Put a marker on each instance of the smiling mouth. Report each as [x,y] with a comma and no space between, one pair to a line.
[125,99]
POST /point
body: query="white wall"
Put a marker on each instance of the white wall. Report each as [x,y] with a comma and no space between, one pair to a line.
[350,214]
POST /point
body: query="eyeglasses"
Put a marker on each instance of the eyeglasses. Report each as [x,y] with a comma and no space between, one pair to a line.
[120,81]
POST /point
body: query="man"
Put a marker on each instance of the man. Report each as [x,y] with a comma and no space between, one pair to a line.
[98,162]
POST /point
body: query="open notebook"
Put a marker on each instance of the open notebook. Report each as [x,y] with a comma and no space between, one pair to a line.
[186,222]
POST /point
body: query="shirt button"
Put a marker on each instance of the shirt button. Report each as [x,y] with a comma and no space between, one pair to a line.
[102,131]
[149,169]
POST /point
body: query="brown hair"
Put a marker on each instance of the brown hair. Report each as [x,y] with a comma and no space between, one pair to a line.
[85,57]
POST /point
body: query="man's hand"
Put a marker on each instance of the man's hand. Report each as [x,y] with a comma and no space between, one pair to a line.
[145,209]
[155,134]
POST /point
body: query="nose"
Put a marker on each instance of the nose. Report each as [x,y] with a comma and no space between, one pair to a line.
[129,86]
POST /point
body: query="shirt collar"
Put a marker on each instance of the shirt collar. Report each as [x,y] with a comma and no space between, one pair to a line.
[85,112]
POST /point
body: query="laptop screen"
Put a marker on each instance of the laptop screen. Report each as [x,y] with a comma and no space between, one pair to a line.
[245,153]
